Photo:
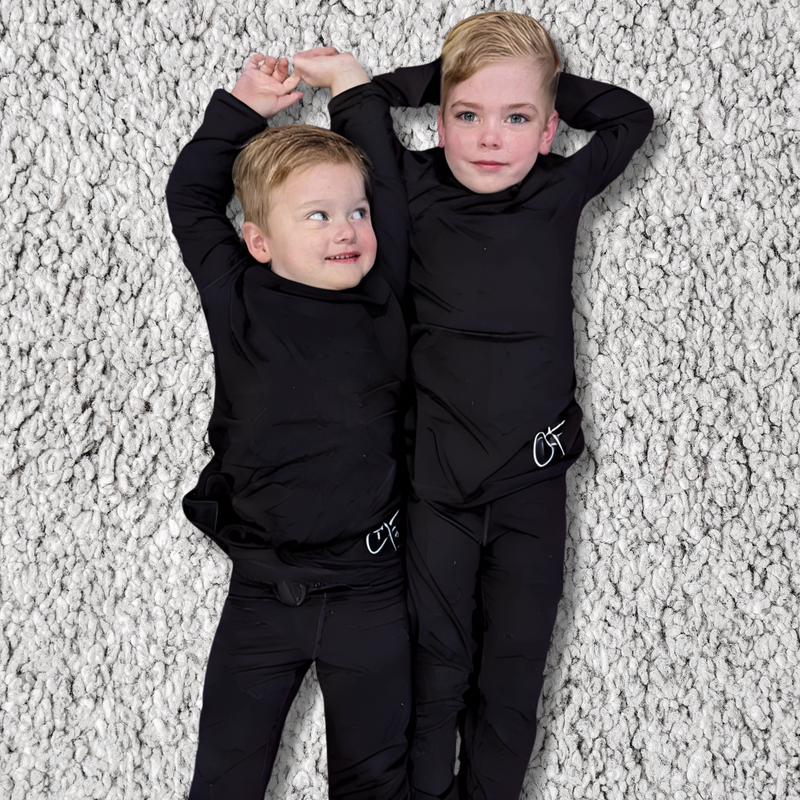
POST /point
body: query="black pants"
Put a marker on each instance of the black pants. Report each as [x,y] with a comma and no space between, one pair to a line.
[261,651]
[505,560]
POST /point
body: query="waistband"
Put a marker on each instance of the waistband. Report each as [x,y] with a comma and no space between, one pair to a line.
[547,455]
[372,558]
[294,586]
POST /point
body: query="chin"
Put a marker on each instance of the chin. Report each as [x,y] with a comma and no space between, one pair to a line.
[343,285]
[348,280]
[487,184]
[482,182]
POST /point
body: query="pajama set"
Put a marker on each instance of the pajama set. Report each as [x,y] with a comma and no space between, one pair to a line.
[303,489]
[495,426]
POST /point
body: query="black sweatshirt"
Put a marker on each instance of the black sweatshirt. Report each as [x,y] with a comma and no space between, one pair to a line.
[490,276]
[308,380]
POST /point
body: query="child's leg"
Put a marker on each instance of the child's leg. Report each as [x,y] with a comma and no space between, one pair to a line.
[443,560]
[521,582]
[261,651]
[364,670]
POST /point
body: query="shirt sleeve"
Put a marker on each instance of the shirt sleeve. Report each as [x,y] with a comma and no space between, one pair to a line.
[201,185]
[361,114]
[411,87]
[621,121]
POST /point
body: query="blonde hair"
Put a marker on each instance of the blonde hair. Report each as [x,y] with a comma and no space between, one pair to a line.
[493,37]
[270,158]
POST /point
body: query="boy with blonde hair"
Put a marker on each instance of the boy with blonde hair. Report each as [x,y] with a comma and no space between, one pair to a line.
[302,491]
[494,217]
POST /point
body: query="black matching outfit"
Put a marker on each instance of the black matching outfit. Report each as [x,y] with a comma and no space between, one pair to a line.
[302,491]
[496,427]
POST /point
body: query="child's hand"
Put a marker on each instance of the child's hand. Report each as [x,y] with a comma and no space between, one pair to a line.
[266,86]
[328,68]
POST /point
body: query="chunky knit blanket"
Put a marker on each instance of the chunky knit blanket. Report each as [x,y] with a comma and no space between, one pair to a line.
[673,671]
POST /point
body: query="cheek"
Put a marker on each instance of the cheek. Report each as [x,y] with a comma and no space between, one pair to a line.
[370,241]
[282,243]
[367,241]
[458,142]
[525,147]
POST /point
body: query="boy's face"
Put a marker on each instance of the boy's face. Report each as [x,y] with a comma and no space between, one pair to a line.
[320,231]
[495,124]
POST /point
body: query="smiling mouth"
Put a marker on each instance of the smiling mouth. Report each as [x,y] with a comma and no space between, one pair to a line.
[345,257]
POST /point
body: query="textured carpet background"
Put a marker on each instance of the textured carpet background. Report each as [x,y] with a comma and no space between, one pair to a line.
[674,666]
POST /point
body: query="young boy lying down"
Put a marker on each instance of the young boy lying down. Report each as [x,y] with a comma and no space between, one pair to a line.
[493,220]
[302,491]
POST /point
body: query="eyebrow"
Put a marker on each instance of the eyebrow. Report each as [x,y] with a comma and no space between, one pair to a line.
[313,203]
[478,106]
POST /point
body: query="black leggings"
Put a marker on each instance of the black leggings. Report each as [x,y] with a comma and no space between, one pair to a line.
[261,651]
[505,560]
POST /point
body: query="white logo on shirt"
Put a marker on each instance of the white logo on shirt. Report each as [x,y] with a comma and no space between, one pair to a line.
[551,440]
[386,533]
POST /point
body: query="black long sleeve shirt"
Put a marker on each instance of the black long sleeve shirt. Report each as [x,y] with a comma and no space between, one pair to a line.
[490,276]
[308,381]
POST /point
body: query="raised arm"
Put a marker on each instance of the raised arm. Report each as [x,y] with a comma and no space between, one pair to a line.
[621,119]
[201,185]
[360,113]
[411,87]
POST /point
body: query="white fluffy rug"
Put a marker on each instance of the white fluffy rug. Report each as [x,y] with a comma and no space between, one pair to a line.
[674,669]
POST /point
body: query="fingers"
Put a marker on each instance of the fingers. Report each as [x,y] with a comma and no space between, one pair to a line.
[277,68]
[287,100]
[281,69]
[275,71]
[254,62]
[280,72]
[317,51]
[290,83]
[261,63]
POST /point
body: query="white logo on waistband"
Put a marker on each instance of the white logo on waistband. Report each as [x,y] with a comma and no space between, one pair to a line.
[386,533]
[551,440]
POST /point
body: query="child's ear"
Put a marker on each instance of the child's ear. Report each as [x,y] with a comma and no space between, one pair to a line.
[257,242]
[548,134]
[440,126]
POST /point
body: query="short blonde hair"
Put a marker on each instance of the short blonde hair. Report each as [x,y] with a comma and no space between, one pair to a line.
[493,37]
[270,158]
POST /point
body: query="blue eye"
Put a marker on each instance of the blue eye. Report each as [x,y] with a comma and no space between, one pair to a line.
[320,215]
[467,116]
[518,119]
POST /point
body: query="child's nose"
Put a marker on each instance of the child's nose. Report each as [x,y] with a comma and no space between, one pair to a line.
[490,136]
[345,232]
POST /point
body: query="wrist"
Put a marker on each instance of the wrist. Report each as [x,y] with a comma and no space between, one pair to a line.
[251,100]
[347,80]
